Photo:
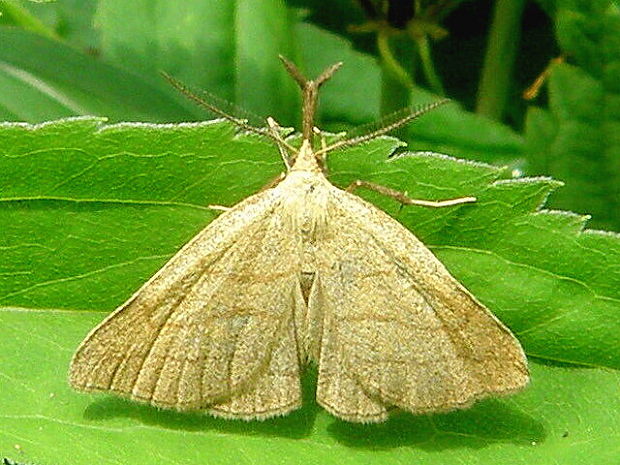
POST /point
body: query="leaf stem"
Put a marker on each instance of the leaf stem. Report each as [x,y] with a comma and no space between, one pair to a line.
[389,60]
[396,82]
[428,67]
[499,59]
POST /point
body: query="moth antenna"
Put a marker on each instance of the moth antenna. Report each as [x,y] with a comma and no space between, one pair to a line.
[204,102]
[388,124]
[310,91]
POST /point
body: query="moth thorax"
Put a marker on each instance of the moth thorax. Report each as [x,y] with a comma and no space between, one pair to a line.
[313,215]
[306,207]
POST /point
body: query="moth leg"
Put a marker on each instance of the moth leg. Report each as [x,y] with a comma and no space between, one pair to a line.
[286,151]
[321,154]
[404,199]
[219,208]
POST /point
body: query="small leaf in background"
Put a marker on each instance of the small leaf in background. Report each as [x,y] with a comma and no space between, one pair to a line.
[53,80]
[576,138]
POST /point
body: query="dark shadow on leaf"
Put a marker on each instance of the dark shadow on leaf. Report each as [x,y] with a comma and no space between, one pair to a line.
[488,422]
[559,364]
[296,425]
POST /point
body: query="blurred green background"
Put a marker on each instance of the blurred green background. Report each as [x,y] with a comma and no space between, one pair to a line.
[102,57]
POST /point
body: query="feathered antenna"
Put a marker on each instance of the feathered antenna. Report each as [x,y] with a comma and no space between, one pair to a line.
[387,124]
[310,88]
[207,101]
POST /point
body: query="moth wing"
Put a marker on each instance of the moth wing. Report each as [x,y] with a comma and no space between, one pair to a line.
[213,326]
[398,327]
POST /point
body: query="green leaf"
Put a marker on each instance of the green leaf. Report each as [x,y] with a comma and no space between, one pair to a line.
[83,178]
[89,212]
[567,415]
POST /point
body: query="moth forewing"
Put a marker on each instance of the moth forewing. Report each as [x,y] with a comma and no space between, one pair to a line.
[402,329]
[208,325]
[303,271]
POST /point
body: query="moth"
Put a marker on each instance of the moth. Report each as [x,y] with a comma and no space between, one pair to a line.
[303,272]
